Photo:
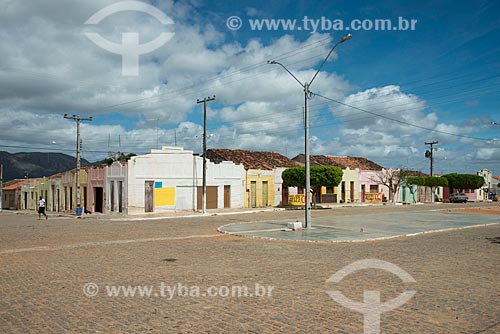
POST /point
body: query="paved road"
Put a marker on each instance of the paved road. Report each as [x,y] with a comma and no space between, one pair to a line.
[45,266]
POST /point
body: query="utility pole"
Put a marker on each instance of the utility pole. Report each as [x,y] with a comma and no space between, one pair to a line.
[430,155]
[307,95]
[78,120]
[204,192]
[1,186]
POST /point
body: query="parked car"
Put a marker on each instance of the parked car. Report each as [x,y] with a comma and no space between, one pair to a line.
[493,197]
[458,198]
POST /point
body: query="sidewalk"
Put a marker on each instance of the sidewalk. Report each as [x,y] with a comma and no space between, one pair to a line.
[115,216]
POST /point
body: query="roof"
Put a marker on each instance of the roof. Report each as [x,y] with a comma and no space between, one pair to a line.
[342,162]
[417,173]
[251,159]
[14,184]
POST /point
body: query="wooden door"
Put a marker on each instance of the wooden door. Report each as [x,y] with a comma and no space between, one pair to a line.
[212,198]
[149,196]
[265,193]
[227,196]
[351,191]
[253,194]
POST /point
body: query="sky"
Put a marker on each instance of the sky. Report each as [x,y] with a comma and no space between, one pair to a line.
[382,94]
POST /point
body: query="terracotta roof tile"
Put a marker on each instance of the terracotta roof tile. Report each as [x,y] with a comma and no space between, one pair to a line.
[342,162]
[418,173]
[251,159]
[14,184]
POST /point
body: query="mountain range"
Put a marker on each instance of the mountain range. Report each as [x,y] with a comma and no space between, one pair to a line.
[35,164]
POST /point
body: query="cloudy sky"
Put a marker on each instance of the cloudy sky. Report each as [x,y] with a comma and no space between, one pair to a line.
[382,94]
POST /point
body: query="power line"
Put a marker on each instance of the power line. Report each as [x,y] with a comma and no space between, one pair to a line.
[402,122]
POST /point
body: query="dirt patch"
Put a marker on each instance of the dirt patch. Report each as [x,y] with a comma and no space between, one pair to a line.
[484,211]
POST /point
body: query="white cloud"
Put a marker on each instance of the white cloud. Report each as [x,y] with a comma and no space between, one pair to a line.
[50,68]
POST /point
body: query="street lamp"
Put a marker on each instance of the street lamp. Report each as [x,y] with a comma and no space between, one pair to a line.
[307,93]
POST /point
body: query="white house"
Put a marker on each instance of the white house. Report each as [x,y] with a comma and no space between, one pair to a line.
[171,179]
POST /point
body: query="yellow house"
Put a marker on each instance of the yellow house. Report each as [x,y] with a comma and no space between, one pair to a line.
[259,188]
[262,185]
[346,191]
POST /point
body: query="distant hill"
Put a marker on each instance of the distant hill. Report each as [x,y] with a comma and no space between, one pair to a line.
[35,164]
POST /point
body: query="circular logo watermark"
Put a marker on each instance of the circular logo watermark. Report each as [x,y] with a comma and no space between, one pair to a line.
[371,307]
[129,49]
[90,289]
[234,22]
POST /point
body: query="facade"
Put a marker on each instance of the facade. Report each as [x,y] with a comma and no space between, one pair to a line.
[113,197]
[12,195]
[418,194]
[483,192]
[96,189]
[357,181]
[263,182]
[369,190]
[496,184]
[170,179]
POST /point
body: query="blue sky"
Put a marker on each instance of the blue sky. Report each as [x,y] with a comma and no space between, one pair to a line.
[436,82]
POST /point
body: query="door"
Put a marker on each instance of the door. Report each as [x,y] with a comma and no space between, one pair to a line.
[85,198]
[98,199]
[120,196]
[363,191]
[112,196]
[265,193]
[342,192]
[149,196]
[212,198]
[253,194]
[284,196]
[227,196]
[351,191]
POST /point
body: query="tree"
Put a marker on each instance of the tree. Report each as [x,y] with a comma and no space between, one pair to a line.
[429,181]
[321,176]
[392,179]
[464,181]
[435,181]
[121,157]
[412,181]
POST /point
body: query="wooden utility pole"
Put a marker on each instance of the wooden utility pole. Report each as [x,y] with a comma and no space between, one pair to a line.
[1,186]
[430,155]
[78,120]
[204,191]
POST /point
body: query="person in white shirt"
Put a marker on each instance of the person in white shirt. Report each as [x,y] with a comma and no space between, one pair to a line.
[41,208]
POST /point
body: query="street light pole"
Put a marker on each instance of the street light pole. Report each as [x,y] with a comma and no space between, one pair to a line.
[307,94]
[78,120]
[204,191]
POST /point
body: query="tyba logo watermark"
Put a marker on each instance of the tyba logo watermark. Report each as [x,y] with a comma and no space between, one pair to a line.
[371,307]
[129,49]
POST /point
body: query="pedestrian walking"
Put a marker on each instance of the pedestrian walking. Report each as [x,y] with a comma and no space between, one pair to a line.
[41,208]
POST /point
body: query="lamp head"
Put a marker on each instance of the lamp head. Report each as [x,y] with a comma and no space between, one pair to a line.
[345,38]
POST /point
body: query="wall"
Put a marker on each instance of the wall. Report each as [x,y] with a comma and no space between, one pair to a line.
[366,178]
[176,174]
[259,177]
[96,178]
[116,191]
[278,186]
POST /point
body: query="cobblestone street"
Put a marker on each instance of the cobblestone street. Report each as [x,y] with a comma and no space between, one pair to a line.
[55,276]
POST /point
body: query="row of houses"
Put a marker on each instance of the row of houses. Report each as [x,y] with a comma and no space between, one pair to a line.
[170,179]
